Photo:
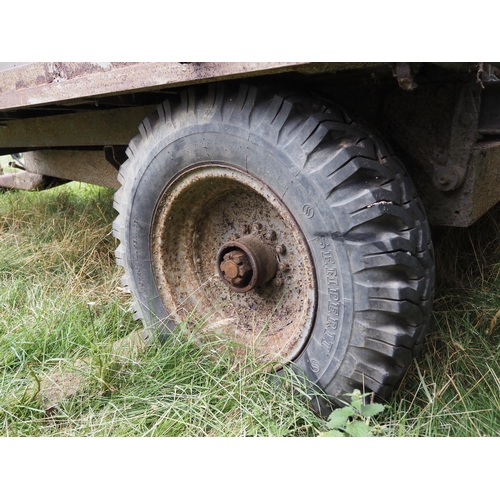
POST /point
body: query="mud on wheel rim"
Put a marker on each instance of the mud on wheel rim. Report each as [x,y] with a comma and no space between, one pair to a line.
[226,251]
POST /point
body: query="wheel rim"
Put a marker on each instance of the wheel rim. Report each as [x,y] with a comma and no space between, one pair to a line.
[227,254]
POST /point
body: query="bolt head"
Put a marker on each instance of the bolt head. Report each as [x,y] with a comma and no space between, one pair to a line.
[445,178]
[281,249]
[229,268]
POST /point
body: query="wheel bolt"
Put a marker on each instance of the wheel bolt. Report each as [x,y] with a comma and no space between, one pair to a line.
[281,249]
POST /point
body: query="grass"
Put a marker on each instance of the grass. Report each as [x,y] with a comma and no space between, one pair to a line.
[453,389]
[63,312]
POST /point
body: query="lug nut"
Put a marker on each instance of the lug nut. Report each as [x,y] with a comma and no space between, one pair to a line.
[281,249]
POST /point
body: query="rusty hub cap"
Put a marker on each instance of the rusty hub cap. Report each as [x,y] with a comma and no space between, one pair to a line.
[235,270]
[228,256]
[246,263]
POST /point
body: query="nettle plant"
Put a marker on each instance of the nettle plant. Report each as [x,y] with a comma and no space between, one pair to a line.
[355,419]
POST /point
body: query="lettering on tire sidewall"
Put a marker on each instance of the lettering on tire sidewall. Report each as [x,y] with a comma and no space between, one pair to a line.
[322,352]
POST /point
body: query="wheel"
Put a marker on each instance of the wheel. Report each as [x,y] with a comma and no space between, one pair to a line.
[284,225]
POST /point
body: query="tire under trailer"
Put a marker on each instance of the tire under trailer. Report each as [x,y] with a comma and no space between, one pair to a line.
[284,224]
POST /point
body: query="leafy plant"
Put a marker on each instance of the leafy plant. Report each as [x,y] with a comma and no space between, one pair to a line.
[354,419]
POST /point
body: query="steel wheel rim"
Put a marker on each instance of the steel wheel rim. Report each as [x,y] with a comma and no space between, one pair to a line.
[201,212]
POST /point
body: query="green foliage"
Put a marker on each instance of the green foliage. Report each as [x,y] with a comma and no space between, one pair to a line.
[354,419]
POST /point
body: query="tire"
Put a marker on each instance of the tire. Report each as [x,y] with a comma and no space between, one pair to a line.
[220,177]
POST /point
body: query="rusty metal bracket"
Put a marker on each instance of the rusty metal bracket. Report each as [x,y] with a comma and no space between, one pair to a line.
[463,136]
[437,127]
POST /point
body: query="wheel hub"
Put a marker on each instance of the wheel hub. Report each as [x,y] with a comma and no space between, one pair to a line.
[246,263]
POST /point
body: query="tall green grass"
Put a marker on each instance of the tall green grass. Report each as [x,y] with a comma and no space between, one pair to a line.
[453,389]
[63,311]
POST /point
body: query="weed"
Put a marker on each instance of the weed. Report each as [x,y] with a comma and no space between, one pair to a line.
[355,418]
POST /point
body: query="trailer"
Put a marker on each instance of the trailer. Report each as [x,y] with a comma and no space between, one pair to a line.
[286,206]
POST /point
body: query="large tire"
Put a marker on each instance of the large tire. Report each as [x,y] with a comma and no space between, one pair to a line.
[348,298]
